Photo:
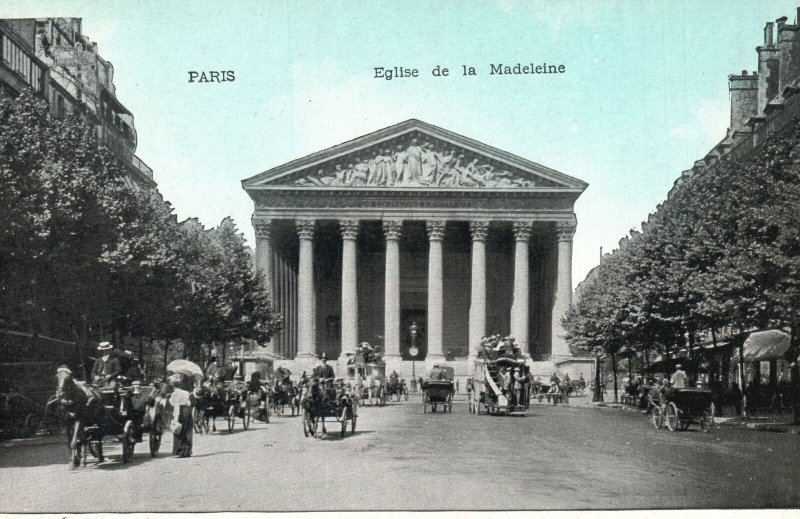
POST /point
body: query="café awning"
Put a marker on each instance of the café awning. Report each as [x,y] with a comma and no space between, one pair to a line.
[766,345]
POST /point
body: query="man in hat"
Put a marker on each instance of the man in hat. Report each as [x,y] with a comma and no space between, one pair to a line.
[215,370]
[324,374]
[679,379]
[106,369]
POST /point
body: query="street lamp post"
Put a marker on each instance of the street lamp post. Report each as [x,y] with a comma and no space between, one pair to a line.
[413,350]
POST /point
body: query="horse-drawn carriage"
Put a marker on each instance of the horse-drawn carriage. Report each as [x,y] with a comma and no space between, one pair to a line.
[322,400]
[22,417]
[228,400]
[396,389]
[367,376]
[678,408]
[24,390]
[95,415]
[486,387]
[285,393]
[438,389]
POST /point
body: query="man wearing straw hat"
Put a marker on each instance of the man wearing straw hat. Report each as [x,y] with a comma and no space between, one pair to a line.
[106,369]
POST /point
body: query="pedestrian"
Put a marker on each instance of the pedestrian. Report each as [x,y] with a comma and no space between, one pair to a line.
[181,426]
[457,386]
[736,396]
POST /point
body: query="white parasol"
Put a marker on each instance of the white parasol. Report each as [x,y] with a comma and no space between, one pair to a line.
[185,367]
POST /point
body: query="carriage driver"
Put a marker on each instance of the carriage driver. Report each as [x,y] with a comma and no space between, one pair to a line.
[324,373]
[106,369]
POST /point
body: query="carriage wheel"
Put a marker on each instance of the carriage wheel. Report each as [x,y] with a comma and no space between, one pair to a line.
[155,436]
[128,442]
[231,418]
[671,416]
[425,403]
[343,419]
[30,425]
[266,410]
[656,418]
[405,394]
[707,420]
[383,398]
[246,415]
[352,423]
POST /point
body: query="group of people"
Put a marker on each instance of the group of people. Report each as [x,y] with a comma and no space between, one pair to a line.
[513,384]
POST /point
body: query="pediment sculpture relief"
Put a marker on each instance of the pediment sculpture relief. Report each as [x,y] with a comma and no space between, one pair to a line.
[414,164]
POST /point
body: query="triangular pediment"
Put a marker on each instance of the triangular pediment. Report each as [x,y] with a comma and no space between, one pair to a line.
[415,155]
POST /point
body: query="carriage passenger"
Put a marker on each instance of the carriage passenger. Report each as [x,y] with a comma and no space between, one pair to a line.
[215,370]
[519,383]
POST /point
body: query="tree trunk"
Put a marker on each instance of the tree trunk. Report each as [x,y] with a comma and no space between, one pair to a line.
[741,378]
[598,392]
[614,369]
[166,355]
[794,376]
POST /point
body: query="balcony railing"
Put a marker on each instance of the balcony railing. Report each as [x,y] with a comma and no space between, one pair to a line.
[112,143]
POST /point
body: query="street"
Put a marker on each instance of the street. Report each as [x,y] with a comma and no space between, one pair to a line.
[563,457]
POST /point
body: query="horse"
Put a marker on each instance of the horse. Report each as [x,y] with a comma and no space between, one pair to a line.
[374,390]
[77,407]
[210,405]
[281,395]
[294,399]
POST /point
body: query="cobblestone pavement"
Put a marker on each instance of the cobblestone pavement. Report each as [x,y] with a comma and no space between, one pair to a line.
[553,458]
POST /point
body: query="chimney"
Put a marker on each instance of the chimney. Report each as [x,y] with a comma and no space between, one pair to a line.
[744,99]
[768,67]
[789,68]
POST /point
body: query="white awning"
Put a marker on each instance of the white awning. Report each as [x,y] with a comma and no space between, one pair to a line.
[766,345]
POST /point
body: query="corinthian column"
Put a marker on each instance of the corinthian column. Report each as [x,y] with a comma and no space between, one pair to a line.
[477,306]
[264,263]
[264,253]
[435,289]
[520,308]
[306,343]
[391,294]
[349,229]
[565,231]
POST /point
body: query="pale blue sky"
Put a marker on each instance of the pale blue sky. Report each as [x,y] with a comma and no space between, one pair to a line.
[645,93]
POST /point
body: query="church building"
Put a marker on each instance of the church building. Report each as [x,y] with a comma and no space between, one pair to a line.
[416,225]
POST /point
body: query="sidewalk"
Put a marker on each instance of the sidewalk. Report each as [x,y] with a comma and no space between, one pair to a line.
[722,421]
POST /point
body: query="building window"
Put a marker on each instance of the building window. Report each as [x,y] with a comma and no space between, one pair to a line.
[16,59]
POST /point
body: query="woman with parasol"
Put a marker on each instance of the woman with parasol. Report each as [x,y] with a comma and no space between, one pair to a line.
[182,376]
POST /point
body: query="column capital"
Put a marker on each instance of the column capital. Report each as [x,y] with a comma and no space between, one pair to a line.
[349,229]
[565,230]
[262,227]
[522,231]
[435,229]
[392,229]
[305,228]
[479,229]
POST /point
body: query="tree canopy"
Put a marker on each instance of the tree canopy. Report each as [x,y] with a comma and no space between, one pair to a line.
[85,255]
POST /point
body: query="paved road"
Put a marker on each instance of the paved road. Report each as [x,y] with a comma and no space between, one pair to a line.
[553,458]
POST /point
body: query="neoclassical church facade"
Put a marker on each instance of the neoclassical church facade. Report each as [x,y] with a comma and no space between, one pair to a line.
[415,225]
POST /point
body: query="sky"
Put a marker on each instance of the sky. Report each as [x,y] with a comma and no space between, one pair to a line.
[644,95]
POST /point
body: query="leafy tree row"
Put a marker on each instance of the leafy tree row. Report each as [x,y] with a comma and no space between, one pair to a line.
[85,257]
[722,252]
